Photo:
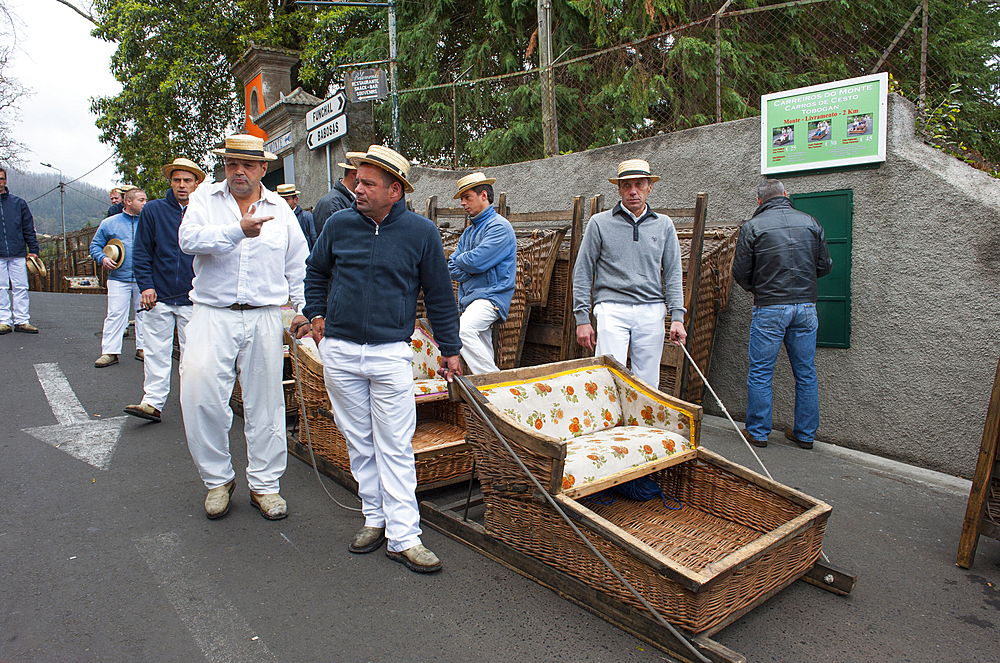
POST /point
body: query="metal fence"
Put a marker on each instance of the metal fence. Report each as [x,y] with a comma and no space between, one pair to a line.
[711,70]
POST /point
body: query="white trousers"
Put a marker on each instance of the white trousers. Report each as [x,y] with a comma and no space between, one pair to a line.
[119,296]
[14,272]
[159,323]
[371,394]
[476,332]
[227,343]
[636,329]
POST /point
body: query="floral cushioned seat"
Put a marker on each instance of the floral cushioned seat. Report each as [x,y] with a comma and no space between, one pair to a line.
[427,384]
[610,427]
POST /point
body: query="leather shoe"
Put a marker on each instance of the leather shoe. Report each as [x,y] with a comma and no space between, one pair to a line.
[790,434]
[217,502]
[756,443]
[368,539]
[140,355]
[271,505]
[5,329]
[26,328]
[418,558]
[143,411]
[106,360]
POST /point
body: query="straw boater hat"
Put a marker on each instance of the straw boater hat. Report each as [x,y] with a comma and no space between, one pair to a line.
[390,161]
[470,181]
[125,188]
[116,190]
[352,160]
[184,164]
[633,169]
[244,146]
[287,190]
[116,251]
[36,266]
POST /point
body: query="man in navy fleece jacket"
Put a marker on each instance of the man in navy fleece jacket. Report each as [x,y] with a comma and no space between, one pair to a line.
[361,286]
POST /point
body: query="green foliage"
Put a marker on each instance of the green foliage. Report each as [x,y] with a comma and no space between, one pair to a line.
[468,70]
[83,202]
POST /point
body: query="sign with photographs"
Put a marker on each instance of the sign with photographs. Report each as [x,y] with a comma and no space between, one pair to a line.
[842,123]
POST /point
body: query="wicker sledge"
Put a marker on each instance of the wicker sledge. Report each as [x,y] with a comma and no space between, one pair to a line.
[737,539]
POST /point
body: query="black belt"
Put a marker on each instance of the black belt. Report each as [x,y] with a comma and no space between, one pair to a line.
[242,307]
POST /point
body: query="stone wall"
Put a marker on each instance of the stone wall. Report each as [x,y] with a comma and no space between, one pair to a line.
[925,278]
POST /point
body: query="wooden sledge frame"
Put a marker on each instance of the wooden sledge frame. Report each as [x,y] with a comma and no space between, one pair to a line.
[448,520]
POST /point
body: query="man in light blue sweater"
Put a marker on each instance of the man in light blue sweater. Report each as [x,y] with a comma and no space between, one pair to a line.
[485,266]
[122,288]
[630,259]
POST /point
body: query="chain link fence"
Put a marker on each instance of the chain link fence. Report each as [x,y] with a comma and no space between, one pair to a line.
[711,70]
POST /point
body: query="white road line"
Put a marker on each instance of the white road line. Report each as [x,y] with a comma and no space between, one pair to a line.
[214,622]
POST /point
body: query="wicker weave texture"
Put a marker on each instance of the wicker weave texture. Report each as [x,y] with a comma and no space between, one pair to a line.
[721,513]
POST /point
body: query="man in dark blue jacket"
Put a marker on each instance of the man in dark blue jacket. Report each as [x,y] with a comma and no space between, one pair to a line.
[18,243]
[291,196]
[163,273]
[485,266]
[361,286]
[341,196]
[780,253]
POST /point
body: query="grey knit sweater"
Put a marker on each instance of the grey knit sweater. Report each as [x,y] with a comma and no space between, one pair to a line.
[628,262]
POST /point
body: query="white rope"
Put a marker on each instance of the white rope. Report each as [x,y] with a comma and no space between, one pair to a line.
[304,425]
[737,428]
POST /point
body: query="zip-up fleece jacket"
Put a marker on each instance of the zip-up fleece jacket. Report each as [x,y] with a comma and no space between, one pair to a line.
[628,262]
[123,227]
[485,262]
[780,253]
[158,261]
[364,278]
[16,226]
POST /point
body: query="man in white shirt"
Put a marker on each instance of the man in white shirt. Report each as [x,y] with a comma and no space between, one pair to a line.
[249,259]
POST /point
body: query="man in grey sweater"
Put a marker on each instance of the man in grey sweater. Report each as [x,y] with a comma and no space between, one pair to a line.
[630,259]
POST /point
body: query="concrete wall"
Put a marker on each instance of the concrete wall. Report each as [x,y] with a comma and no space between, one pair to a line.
[915,383]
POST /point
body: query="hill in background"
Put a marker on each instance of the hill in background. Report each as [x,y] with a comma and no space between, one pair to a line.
[85,203]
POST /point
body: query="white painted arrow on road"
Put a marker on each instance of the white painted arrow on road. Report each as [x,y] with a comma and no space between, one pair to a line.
[91,440]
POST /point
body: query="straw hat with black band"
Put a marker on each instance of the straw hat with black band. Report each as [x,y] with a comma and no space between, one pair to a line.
[246,147]
[181,163]
[633,169]
[35,266]
[352,158]
[471,182]
[115,250]
[390,161]
[287,190]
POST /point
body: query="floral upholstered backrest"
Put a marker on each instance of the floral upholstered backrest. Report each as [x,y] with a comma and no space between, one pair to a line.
[640,409]
[425,354]
[563,405]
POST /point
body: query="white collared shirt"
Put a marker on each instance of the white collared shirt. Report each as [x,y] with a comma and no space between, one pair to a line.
[634,217]
[231,268]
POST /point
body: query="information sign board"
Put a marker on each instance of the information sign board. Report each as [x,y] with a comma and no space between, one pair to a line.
[326,111]
[327,132]
[842,123]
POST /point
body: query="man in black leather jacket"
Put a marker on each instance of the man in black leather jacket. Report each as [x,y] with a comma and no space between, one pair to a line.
[779,255]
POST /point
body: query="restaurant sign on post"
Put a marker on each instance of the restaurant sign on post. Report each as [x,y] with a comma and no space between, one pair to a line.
[366,85]
[836,124]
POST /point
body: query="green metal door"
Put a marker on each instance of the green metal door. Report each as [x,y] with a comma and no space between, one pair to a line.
[835,211]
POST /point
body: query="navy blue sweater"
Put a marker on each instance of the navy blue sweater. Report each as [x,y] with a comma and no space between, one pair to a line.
[17,227]
[158,261]
[364,279]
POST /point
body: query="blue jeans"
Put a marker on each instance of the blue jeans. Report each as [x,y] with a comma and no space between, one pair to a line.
[795,325]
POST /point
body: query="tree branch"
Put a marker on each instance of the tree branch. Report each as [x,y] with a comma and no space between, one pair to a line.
[79,11]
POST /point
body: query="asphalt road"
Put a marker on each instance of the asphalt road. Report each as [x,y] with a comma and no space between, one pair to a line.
[120,564]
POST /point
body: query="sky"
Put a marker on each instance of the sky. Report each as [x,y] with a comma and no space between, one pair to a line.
[64,67]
